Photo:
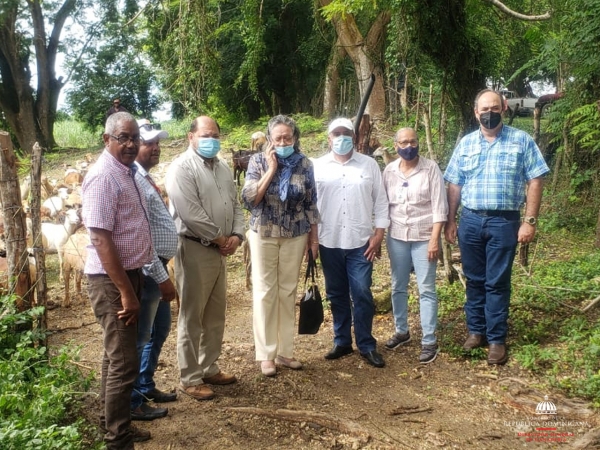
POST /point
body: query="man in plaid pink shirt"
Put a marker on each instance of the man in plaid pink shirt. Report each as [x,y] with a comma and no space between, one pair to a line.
[115,214]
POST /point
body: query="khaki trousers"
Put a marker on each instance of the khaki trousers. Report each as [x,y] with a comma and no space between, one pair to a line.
[275,269]
[201,278]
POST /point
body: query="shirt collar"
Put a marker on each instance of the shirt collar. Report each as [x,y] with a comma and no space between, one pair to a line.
[140,169]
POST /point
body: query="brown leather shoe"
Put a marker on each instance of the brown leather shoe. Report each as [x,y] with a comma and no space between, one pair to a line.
[220,379]
[474,341]
[497,354]
[198,392]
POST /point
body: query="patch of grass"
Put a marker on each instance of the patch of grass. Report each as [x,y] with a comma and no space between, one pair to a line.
[73,134]
[37,392]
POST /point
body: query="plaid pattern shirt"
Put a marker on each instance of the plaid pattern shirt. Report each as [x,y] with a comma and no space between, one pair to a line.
[272,217]
[162,226]
[493,175]
[417,201]
[112,201]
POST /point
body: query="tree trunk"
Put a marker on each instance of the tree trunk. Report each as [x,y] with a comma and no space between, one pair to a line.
[14,226]
[597,243]
[366,54]
[30,117]
[332,79]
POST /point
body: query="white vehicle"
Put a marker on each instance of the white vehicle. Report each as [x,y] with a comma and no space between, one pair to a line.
[525,105]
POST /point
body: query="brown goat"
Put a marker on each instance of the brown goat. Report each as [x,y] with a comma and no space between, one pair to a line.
[240,159]
[73,259]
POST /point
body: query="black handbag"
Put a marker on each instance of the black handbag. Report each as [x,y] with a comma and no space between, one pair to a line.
[311,305]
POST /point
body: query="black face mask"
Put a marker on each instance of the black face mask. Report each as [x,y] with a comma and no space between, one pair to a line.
[490,119]
[409,153]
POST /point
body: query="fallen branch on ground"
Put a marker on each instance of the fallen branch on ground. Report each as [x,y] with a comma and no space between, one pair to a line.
[341,425]
[409,410]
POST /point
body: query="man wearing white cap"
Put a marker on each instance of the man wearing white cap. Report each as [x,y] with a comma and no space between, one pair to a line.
[353,206]
[154,322]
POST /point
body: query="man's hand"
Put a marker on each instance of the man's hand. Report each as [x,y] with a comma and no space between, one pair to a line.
[131,309]
[374,249]
[167,290]
[450,232]
[526,233]
[231,245]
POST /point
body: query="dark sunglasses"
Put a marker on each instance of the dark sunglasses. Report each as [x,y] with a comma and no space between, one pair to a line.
[150,126]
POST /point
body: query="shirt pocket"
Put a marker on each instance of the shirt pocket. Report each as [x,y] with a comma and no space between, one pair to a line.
[469,162]
[510,159]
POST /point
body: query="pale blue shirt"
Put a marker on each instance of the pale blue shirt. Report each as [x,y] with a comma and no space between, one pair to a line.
[493,175]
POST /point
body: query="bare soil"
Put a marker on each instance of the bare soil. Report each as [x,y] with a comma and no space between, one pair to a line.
[453,402]
[344,404]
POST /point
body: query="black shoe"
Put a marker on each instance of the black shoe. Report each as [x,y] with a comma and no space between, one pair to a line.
[373,358]
[338,351]
[147,412]
[159,396]
[138,434]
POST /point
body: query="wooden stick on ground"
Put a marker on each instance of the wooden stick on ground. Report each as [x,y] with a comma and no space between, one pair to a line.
[339,424]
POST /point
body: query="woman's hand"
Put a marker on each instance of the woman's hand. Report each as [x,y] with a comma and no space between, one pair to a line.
[271,156]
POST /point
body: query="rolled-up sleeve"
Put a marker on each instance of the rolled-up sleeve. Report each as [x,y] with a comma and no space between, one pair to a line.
[439,199]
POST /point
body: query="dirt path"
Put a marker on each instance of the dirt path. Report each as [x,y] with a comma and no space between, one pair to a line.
[343,404]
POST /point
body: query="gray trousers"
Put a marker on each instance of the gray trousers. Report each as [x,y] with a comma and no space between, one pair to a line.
[201,279]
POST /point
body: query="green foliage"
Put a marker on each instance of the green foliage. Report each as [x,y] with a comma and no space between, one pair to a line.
[115,67]
[36,391]
[74,134]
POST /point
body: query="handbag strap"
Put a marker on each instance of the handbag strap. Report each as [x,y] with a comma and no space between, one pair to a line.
[311,268]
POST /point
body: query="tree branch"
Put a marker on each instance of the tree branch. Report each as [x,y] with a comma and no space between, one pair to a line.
[509,12]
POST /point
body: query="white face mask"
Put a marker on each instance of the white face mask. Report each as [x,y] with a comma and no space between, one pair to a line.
[342,145]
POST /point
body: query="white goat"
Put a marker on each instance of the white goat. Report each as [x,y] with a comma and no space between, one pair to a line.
[55,235]
[57,203]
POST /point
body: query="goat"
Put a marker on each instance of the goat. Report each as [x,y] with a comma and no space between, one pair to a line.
[240,159]
[258,141]
[57,202]
[171,272]
[74,255]
[73,176]
[387,157]
[4,275]
[55,235]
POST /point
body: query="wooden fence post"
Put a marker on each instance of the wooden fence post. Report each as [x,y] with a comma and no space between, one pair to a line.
[14,225]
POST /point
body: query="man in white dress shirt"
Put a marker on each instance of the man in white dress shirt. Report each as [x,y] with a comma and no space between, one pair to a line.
[354,215]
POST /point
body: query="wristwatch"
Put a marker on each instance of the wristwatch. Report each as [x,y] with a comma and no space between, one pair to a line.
[239,236]
[530,220]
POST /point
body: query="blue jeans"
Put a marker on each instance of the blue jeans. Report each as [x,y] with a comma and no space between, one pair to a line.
[348,286]
[402,254]
[154,324]
[487,247]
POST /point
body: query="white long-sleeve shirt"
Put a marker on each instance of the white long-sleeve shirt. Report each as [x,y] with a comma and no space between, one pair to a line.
[351,200]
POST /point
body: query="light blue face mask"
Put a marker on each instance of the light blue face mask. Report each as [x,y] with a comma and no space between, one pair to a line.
[342,145]
[284,152]
[208,147]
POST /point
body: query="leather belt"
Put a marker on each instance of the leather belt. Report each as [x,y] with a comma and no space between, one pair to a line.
[203,242]
[507,214]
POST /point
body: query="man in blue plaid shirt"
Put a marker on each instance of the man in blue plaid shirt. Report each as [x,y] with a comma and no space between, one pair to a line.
[489,173]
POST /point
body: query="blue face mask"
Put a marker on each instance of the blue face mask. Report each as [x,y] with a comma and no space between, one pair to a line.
[284,152]
[342,145]
[409,153]
[208,147]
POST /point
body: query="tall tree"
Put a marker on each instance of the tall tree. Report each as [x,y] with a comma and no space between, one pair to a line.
[31,112]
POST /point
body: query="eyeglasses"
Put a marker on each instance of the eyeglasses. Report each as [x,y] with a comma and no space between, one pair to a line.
[403,144]
[126,140]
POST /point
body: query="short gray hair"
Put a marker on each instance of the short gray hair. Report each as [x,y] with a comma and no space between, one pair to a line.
[115,119]
[285,120]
